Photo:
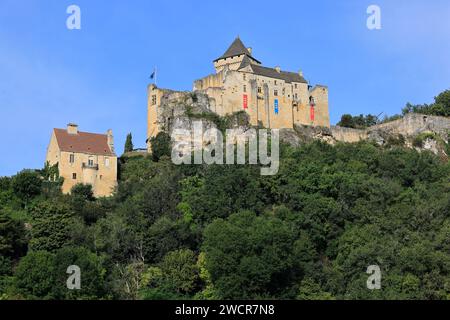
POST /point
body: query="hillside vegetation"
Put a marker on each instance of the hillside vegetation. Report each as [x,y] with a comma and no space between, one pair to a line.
[221,232]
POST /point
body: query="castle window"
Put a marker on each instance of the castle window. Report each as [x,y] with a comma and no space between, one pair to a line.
[296,96]
[259,89]
[153,99]
[245,88]
[284,91]
[71,158]
[106,162]
[74,176]
[275,93]
[90,162]
[295,86]
[275,82]
[244,76]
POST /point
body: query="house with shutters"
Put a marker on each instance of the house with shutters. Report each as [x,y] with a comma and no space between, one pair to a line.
[83,157]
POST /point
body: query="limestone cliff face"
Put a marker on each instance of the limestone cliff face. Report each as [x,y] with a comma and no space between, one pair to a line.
[181,110]
[186,111]
[417,131]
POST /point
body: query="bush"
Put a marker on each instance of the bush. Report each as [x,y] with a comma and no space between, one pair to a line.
[160,146]
[27,185]
[420,139]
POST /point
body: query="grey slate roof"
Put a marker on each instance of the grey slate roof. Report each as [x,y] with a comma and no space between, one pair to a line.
[245,62]
[272,73]
[237,48]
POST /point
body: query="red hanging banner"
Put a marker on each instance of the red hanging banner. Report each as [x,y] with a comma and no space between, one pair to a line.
[311,113]
[245,101]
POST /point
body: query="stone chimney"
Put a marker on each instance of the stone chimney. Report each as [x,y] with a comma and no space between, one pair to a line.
[249,49]
[278,69]
[110,139]
[72,128]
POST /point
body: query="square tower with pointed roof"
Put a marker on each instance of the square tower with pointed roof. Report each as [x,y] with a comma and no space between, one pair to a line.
[233,57]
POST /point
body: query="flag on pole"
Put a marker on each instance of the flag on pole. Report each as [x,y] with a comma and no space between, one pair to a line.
[153,75]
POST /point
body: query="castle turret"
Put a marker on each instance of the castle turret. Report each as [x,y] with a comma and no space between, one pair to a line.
[234,56]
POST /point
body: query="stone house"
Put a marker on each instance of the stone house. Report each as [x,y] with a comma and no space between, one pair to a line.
[83,157]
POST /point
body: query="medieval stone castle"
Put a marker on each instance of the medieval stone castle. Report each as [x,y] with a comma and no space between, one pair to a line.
[272,98]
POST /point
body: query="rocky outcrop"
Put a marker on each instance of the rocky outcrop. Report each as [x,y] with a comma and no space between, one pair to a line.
[181,110]
[418,131]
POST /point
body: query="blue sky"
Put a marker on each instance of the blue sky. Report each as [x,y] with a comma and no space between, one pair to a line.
[97,76]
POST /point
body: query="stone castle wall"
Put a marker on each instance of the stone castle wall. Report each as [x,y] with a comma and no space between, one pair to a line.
[410,125]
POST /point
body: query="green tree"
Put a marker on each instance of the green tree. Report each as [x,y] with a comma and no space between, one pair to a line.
[129,143]
[93,274]
[359,122]
[51,181]
[311,290]
[160,146]
[180,271]
[34,276]
[440,107]
[13,238]
[82,192]
[250,257]
[27,185]
[51,226]
[346,121]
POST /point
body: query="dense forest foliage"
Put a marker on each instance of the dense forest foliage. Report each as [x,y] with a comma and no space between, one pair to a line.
[221,232]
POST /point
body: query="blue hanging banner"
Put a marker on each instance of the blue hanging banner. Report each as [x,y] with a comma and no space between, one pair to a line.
[276,106]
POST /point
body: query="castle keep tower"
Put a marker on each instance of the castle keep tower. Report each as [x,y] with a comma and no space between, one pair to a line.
[232,58]
[273,98]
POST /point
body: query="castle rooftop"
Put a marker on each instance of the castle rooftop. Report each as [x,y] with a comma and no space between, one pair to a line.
[272,72]
[237,48]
